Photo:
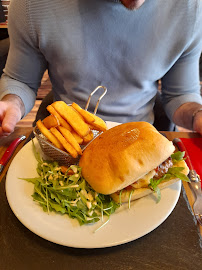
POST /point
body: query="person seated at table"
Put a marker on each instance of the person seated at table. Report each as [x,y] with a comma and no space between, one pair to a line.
[125,45]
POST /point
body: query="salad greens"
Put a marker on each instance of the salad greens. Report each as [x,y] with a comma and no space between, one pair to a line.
[173,172]
[69,193]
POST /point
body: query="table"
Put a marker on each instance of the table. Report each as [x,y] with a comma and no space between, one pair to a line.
[173,245]
[3,25]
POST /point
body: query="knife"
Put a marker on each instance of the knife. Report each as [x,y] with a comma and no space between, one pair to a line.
[9,151]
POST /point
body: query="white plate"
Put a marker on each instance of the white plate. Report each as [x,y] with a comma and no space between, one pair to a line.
[124,226]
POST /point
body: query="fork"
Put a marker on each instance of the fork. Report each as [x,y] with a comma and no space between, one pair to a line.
[197,207]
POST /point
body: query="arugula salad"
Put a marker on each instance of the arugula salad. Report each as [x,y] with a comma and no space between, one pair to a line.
[69,193]
[173,172]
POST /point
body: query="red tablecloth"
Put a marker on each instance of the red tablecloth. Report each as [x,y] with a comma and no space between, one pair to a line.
[194,149]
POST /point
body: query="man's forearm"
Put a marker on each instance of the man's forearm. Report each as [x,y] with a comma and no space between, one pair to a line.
[186,114]
[16,100]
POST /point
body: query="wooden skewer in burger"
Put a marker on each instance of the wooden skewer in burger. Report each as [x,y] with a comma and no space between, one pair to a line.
[130,161]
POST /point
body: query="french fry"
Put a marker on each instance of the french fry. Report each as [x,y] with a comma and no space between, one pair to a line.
[88,117]
[77,137]
[64,170]
[72,117]
[99,124]
[61,120]
[49,135]
[51,121]
[94,121]
[70,138]
[88,137]
[63,141]
[69,126]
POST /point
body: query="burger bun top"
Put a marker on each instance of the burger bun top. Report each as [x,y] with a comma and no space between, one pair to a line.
[123,154]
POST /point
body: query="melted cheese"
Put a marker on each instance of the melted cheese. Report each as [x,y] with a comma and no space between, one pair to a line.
[144,181]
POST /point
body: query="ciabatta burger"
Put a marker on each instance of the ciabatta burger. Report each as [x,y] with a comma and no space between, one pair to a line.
[123,160]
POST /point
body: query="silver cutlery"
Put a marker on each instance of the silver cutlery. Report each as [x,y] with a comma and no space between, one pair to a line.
[195,183]
[9,151]
[197,207]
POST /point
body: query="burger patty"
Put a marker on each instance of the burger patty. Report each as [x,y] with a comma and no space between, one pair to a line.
[157,173]
[163,168]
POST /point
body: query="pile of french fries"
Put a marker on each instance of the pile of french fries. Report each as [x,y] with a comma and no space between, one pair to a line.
[69,126]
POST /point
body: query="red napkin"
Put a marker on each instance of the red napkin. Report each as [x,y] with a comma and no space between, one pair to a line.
[194,149]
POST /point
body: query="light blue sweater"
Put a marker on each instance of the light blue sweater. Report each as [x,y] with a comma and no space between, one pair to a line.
[86,43]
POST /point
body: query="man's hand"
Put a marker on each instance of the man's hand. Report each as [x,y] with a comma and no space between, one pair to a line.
[184,116]
[197,122]
[11,111]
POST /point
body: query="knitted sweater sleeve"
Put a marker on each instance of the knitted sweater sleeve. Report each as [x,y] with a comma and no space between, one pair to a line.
[25,64]
[182,83]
